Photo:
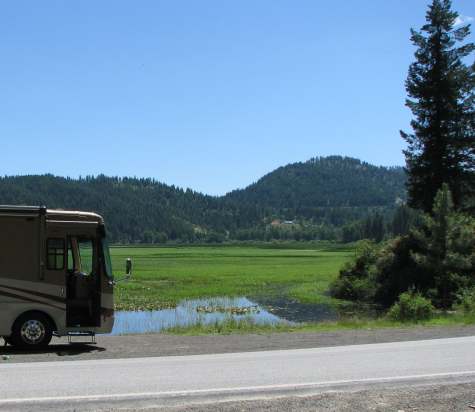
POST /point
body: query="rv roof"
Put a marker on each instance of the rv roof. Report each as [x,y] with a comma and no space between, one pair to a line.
[73,215]
[55,214]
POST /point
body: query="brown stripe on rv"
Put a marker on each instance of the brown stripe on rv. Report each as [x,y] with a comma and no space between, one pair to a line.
[15,296]
[32,292]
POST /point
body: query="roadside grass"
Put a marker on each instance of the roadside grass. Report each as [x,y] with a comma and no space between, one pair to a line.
[248,326]
[163,276]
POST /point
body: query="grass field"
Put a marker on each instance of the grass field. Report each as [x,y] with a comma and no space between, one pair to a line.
[162,276]
[228,327]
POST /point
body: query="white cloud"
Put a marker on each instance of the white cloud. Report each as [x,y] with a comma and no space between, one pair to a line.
[460,20]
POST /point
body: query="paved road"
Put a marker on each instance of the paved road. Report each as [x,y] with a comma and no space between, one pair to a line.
[179,379]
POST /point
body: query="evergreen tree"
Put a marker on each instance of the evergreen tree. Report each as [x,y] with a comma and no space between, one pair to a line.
[401,221]
[404,219]
[447,248]
[377,228]
[441,97]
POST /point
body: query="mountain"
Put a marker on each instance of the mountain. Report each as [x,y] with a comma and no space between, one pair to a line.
[321,195]
[332,181]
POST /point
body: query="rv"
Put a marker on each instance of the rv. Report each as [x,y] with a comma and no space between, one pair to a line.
[55,275]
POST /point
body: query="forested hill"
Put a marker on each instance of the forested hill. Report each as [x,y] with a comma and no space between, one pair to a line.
[333,181]
[132,208]
[324,192]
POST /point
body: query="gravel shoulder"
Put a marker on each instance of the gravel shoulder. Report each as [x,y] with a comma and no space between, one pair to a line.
[132,346]
[419,398]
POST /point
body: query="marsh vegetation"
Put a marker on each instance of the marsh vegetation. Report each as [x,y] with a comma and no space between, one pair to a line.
[265,287]
[165,276]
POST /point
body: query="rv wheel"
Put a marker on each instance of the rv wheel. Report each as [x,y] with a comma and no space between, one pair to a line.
[31,330]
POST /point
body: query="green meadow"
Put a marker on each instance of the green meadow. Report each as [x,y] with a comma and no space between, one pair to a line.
[163,276]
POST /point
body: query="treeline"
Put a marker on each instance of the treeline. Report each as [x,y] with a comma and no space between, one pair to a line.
[377,225]
[324,198]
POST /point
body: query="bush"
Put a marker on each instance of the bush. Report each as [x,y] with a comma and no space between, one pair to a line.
[355,281]
[396,271]
[466,301]
[354,289]
[411,307]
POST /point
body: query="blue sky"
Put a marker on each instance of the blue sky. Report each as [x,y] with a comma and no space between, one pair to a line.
[209,95]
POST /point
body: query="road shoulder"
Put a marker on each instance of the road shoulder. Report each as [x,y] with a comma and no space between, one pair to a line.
[133,346]
[433,398]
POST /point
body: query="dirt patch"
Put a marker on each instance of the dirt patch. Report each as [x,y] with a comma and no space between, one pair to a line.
[132,346]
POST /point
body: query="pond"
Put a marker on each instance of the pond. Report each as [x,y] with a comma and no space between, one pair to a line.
[212,310]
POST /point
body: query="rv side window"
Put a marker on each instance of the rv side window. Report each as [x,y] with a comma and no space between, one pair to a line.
[71,262]
[86,255]
[55,254]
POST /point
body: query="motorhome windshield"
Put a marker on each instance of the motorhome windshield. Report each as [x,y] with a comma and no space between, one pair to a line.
[107,258]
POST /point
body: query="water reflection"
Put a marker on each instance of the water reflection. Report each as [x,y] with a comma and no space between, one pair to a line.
[193,312]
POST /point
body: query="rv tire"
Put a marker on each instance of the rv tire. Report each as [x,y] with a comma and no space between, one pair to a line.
[31,330]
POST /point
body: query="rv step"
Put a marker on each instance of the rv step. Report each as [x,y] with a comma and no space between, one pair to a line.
[72,335]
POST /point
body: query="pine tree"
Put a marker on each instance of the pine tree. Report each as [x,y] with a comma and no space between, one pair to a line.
[447,243]
[441,97]
[377,228]
[400,224]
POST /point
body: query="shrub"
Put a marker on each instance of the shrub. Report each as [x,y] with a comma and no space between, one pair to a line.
[411,306]
[466,301]
[396,271]
[355,281]
[354,289]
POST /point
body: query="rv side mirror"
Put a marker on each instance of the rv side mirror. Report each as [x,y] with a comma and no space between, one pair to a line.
[128,267]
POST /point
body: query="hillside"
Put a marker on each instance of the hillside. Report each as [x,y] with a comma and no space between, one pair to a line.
[133,208]
[333,181]
[324,192]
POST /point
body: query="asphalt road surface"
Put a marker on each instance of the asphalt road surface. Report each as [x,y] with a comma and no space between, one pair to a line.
[178,380]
